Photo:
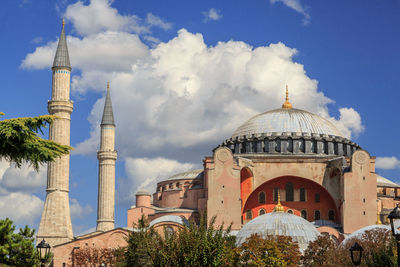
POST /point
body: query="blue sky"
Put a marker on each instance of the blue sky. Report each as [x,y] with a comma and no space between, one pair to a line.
[185,74]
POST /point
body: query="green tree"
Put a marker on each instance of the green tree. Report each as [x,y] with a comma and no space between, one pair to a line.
[269,251]
[195,245]
[140,242]
[320,252]
[20,142]
[17,249]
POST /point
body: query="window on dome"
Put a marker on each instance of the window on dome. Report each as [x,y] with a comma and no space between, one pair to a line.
[289,192]
[276,191]
[317,215]
[302,194]
[290,211]
[331,215]
[304,214]
[249,215]
[261,212]
[261,197]
[317,198]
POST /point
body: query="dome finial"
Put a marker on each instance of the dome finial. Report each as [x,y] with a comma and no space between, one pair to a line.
[287,103]
[63,23]
[378,217]
[279,207]
[108,85]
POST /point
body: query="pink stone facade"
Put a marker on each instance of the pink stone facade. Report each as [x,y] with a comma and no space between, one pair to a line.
[64,253]
[231,187]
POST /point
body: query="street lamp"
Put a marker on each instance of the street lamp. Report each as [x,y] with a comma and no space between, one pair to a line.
[394,215]
[355,253]
[43,249]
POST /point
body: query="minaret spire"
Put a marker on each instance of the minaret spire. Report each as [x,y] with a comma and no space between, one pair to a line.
[108,115]
[61,58]
[106,156]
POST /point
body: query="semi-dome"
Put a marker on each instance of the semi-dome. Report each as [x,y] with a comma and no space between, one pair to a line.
[279,223]
[193,174]
[170,218]
[287,120]
[289,131]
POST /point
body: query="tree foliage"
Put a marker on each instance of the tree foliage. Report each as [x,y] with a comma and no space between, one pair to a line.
[195,245]
[17,249]
[89,256]
[20,142]
[320,252]
[378,244]
[270,251]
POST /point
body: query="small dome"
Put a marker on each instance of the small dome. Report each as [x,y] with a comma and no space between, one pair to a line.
[383,182]
[170,218]
[193,174]
[287,120]
[360,232]
[143,192]
[279,223]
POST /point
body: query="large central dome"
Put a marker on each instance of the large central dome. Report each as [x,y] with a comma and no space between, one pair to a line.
[287,120]
[289,131]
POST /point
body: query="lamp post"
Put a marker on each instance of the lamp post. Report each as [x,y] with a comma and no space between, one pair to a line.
[394,215]
[43,249]
[356,253]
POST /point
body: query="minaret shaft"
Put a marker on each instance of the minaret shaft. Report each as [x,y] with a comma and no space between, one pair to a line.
[55,225]
[107,157]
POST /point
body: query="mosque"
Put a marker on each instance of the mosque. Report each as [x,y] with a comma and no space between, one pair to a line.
[285,171]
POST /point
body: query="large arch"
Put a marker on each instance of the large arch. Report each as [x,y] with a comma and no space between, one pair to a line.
[324,203]
[246,184]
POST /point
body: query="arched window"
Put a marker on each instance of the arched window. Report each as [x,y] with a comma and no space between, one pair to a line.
[317,215]
[261,197]
[289,192]
[290,211]
[261,212]
[302,194]
[317,198]
[169,230]
[178,185]
[304,214]
[171,185]
[276,191]
[331,215]
[249,215]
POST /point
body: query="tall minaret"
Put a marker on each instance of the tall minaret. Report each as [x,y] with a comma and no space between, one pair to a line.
[55,226]
[106,156]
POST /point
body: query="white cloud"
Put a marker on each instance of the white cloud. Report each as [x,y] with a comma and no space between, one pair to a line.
[297,6]
[16,187]
[349,122]
[37,40]
[183,94]
[20,207]
[77,211]
[144,173]
[98,16]
[23,179]
[153,20]
[212,14]
[387,163]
